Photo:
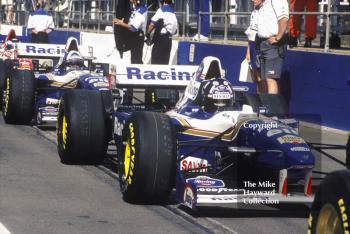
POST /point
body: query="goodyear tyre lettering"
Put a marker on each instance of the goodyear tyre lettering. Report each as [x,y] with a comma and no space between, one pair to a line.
[7,97]
[64,132]
[130,159]
[344,216]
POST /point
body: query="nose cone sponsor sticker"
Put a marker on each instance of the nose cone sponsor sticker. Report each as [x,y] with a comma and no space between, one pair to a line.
[290,139]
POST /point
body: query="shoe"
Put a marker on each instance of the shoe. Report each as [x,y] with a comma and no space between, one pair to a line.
[200,38]
[308,43]
[293,42]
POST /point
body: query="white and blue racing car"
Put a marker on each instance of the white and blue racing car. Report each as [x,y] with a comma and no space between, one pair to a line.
[217,145]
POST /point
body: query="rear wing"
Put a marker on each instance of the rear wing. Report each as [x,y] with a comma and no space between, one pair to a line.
[146,76]
[49,51]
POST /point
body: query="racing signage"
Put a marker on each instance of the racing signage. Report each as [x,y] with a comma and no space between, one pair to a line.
[156,75]
[40,50]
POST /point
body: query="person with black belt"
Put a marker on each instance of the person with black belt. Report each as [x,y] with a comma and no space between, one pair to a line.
[273,16]
[40,24]
[165,24]
[137,25]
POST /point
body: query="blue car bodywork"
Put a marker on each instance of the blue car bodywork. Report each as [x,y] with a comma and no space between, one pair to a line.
[51,86]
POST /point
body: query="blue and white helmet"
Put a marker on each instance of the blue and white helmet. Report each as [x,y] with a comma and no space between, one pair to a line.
[216,93]
[74,58]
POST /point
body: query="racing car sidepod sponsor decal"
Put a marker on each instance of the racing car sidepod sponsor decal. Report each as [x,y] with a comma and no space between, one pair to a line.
[190,163]
[188,196]
[290,139]
[52,101]
[300,149]
[205,181]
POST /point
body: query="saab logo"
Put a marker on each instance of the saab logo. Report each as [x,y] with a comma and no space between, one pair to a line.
[300,149]
[40,50]
[134,72]
[188,197]
[290,139]
[191,163]
[205,181]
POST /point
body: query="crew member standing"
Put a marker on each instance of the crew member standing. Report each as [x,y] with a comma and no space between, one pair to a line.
[272,40]
[252,54]
[165,23]
[137,25]
[295,22]
[40,24]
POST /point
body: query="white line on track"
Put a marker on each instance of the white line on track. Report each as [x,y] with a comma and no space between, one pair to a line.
[229,230]
[3,229]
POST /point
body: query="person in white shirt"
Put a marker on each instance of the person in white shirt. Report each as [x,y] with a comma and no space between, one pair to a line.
[137,25]
[166,25]
[40,24]
[273,16]
[252,54]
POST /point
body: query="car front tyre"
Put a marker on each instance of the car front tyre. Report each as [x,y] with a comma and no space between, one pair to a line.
[330,212]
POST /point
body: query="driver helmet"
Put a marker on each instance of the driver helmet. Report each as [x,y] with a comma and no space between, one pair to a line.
[74,60]
[216,93]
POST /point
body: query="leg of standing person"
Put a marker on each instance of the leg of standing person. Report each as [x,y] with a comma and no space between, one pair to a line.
[310,22]
[272,58]
[136,50]
[161,50]
[205,21]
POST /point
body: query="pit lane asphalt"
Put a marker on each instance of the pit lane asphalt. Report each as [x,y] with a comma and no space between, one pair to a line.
[38,194]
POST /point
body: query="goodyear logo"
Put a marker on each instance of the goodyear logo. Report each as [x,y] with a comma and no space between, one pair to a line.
[344,216]
[137,73]
[44,50]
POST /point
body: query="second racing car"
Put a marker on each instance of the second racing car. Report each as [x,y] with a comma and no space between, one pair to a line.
[32,90]
[216,146]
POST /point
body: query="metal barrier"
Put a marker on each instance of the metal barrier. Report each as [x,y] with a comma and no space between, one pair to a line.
[94,20]
[328,14]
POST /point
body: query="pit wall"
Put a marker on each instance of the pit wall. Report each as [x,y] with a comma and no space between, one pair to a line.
[314,84]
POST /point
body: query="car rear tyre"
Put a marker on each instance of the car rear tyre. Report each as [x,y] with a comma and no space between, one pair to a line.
[330,210]
[82,134]
[19,97]
[148,159]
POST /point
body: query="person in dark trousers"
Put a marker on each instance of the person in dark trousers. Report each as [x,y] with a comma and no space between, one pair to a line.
[204,6]
[273,16]
[165,24]
[137,25]
[40,24]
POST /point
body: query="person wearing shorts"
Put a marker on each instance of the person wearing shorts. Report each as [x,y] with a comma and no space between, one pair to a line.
[272,40]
